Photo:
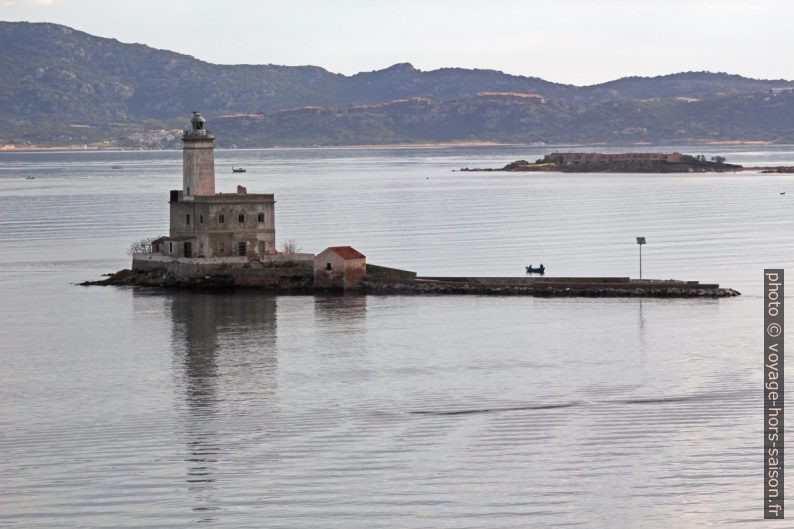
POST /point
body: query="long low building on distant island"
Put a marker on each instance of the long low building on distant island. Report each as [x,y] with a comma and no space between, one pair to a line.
[577,158]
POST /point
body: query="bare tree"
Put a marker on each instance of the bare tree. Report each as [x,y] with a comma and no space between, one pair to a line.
[290,247]
[142,246]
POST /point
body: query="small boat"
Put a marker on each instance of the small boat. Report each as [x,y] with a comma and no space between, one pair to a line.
[783,193]
[238,169]
[539,270]
[115,167]
[30,177]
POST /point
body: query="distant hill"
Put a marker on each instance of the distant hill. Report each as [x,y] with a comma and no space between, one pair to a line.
[62,86]
[521,120]
[686,84]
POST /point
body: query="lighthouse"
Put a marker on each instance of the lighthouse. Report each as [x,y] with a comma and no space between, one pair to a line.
[207,224]
[198,159]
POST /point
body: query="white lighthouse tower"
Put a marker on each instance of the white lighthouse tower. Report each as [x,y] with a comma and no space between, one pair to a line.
[198,160]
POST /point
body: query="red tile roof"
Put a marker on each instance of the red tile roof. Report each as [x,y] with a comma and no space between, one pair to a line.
[347,252]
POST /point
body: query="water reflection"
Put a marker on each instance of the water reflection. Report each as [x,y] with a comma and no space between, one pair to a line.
[349,310]
[641,327]
[341,324]
[224,346]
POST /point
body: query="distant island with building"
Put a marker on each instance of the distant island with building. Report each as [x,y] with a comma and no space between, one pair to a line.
[229,240]
[630,162]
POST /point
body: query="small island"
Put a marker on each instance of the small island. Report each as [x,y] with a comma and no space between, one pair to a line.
[228,240]
[631,162]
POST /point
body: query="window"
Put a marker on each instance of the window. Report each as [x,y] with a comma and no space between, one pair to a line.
[170,247]
[327,266]
[241,249]
[201,219]
[260,217]
[188,190]
[220,219]
[187,219]
[221,248]
[241,218]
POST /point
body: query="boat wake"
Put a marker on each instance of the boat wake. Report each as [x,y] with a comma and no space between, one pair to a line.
[653,400]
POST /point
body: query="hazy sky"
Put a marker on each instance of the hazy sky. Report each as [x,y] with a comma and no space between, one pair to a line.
[571,41]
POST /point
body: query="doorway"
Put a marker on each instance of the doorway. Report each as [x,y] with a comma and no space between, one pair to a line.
[188,249]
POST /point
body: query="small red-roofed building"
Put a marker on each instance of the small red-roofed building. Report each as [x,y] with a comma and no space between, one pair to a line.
[339,267]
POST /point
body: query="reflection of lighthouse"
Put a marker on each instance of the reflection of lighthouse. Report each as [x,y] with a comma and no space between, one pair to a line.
[225,361]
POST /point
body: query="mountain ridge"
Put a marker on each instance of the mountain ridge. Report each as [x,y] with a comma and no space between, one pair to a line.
[101,89]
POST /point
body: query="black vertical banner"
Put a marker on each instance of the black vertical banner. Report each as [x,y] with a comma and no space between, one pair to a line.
[773,394]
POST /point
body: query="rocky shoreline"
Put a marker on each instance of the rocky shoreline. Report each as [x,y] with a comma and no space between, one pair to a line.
[161,278]
[540,287]
[787,169]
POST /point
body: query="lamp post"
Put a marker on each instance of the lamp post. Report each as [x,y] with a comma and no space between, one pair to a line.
[640,242]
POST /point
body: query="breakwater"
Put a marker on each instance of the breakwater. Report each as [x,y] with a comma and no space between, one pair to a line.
[554,287]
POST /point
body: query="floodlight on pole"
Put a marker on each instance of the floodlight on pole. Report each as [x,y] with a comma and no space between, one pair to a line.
[640,242]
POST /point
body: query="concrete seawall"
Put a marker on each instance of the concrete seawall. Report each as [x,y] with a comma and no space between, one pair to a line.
[182,267]
[156,270]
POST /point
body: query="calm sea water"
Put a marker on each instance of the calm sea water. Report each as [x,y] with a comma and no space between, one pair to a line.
[141,408]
